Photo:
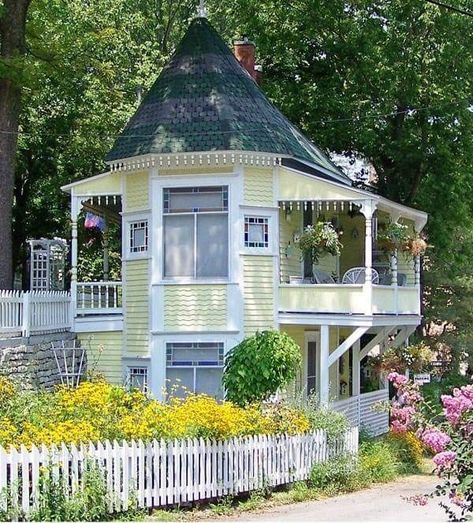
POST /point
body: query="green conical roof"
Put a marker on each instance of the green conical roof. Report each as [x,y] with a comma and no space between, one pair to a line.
[204,100]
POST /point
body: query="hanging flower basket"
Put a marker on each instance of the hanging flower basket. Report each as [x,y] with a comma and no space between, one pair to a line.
[416,246]
[320,239]
[393,237]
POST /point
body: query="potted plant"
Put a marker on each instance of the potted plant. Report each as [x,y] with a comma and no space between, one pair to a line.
[320,239]
[393,236]
[416,246]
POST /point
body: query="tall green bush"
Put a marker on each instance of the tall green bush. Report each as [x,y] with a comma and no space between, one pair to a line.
[260,365]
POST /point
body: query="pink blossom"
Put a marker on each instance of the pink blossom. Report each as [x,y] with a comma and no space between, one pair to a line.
[419,499]
[445,459]
[398,428]
[397,379]
[461,401]
[456,499]
[435,439]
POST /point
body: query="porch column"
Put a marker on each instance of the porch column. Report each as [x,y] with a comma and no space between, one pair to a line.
[75,209]
[355,379]
[324,365]
[105,252]
[367,209]
[394,268]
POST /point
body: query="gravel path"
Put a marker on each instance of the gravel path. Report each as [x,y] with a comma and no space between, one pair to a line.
[380,503]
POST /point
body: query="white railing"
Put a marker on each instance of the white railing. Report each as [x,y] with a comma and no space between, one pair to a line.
[34,312]
[102,297]
[160,473]
[363,411]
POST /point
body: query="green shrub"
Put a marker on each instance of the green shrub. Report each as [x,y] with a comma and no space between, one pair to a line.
[378,461]
[335,473]
[408,450]
[259,366]
[321,418]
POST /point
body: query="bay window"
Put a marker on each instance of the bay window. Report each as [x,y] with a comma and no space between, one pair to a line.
[195,232]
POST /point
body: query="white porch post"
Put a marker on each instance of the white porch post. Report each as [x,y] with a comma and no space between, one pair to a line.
[324,365]
[75,209]
[367,209]
[356,368]
[105,252]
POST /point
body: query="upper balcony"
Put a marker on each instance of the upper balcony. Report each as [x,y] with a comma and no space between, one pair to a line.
[363,280]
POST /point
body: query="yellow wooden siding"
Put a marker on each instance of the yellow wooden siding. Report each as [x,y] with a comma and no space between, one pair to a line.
[258,186]
[136,307]
[258,276]
[104,353]
[289,253]
[137,191]
[299,186]
[195,307]
[110,184]
[194,171]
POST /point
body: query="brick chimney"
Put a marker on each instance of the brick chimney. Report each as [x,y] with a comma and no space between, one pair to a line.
[244,51]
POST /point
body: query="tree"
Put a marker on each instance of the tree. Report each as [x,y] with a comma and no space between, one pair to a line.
[12,49]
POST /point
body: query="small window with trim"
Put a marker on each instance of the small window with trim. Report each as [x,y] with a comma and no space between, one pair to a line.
[257,232]
[138,378]
[139,236]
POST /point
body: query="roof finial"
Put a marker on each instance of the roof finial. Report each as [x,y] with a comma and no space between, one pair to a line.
[202,10]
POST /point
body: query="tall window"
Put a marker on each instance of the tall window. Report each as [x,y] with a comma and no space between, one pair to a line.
[138,378]
[196,232]
[194,367]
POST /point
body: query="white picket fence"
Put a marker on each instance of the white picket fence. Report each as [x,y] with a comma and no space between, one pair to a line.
[34,312]
[363,411]
[160,473]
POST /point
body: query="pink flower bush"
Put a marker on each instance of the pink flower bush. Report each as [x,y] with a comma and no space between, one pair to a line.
[434,438]
[445,459]
[397,379]
[461,401]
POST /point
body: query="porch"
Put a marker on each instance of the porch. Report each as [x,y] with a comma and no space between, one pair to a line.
[338,367]
[364,279]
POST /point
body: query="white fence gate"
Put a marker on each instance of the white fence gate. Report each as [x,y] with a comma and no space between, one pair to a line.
[34,312]
[160,473]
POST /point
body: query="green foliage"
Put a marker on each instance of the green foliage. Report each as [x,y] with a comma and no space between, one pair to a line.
[320,239]
[321,418]
[88,504]
[337,472]
[259,366]
[378,461]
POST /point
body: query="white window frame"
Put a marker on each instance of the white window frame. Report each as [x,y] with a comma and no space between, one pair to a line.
[273,235]
[266,222]
[196,367]
[138,363]
[128,220]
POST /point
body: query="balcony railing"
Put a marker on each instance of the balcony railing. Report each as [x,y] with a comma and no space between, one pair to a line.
[349,299]
[104,297]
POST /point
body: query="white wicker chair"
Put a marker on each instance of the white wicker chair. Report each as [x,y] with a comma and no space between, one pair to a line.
[356,275]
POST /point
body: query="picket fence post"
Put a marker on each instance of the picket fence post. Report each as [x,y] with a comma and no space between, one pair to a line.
[26,305]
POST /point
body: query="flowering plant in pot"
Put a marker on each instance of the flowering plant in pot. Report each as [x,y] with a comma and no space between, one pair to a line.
[319,239]
[415,246]
[393,236]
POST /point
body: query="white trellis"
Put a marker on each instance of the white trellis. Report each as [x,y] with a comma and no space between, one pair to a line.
[47,264]
[70,361]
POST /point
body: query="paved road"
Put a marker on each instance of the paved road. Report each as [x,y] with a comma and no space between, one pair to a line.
[381,503]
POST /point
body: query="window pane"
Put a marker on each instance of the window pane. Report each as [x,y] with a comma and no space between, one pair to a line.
[209,381]
[179,382]
[195,199]
[178,246]
[212,245]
